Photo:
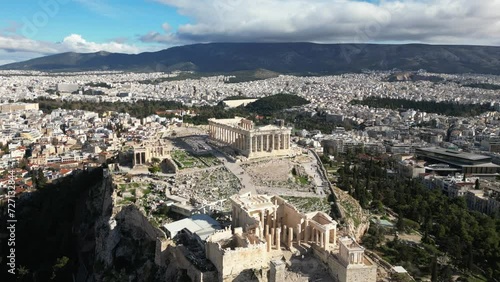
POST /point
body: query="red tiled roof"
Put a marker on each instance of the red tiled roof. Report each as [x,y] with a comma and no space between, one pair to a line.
[65,171]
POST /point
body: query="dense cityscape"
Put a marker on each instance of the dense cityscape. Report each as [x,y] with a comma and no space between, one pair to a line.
[250,141]
[170,168]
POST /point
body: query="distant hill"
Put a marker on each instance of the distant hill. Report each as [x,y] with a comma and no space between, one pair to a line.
[293,58]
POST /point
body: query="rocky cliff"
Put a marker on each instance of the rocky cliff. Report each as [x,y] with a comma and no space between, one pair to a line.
[71,231]
[115,244]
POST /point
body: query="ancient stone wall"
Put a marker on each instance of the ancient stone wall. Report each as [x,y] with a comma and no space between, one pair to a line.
[287,214]
[341,273]
[240,259]
[179,253]
[232,260]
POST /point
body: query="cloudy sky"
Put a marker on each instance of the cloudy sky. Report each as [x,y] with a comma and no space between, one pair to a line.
[34,28]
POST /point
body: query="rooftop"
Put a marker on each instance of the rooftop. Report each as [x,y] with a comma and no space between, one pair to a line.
[249,202]
[455,154]
[399,269]
[200,224]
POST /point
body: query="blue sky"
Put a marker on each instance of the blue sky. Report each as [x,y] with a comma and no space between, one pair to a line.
[95,20]
[34,28]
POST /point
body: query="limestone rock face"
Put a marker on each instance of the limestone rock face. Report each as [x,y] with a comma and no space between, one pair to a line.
[114,244]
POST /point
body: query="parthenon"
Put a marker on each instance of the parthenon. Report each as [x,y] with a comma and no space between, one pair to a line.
[251,141]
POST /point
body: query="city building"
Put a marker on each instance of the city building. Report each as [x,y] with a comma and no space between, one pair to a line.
[468,163]
[486,199]
[491,144]
[410,168]
[7,108]
[67,87]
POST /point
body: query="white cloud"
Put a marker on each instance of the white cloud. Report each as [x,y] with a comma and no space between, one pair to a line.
[166,27]
[428,21]
[19,48]
[77,43]
[22,44]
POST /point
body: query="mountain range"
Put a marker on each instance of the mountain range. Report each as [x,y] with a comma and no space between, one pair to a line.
[291,58]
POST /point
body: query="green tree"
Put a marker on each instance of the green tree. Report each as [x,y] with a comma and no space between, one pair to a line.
[59,267]
[23,164]
[154,169]
[41,179]
[23,273]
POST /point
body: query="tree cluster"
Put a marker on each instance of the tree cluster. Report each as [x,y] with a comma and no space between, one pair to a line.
[487,86]
[271,104]
[46,247]
[443,108]
[471,239]
[140,109]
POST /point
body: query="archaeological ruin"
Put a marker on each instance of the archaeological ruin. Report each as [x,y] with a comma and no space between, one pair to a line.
[251,141]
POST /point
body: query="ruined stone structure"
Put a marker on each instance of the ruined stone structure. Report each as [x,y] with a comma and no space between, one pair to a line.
[351,264]
[264,224]
[272,216]
[251,141]
[144,153]
[233,253]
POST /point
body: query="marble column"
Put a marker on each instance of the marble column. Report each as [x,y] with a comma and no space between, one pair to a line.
[327,239]
[275,215]
[322,239]
[306,231]
[262,223]
[290,237]
[269,218]
[272,236]
[249,143]
[299,233]
[278,238]
[268,239]
[285,234]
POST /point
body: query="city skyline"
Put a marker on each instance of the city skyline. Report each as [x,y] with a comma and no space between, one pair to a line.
[133,26]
